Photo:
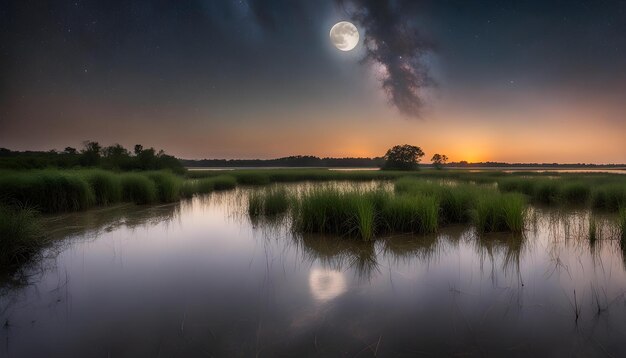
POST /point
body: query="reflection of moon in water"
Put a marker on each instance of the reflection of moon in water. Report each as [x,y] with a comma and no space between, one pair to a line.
[326,284]
[344,36]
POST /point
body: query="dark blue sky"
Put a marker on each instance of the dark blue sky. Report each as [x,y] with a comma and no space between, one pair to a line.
[162,72]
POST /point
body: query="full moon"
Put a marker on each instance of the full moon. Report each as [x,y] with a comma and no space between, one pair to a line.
[344,35]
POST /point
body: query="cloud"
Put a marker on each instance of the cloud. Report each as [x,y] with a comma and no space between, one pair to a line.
[392,41]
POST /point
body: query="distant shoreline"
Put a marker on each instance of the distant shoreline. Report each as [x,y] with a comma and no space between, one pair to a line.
[594,168]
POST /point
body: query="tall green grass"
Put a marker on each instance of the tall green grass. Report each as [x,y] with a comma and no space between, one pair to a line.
[270,202]
[138,188]
[223,182]
[610,196]
[499,212]
[106,186]
[167,185]
[416,207]
[20,235]
[416,213]
[46,190]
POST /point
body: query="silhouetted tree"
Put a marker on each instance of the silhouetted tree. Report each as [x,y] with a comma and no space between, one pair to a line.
[138,148]
[439,160]
[90,155]
[70,150]
[403,157]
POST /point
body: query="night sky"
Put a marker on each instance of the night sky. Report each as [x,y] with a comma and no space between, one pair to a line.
[517,81]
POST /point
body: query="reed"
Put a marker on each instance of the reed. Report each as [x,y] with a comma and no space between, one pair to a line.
[167,185]
[499,212]
[46,190]
[106,186]
[221,182]
[269,202]
[593,230]
[411,213]
[20,235]
[622,226]
[138,188]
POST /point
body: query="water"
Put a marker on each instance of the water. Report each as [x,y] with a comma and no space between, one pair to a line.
[198,278]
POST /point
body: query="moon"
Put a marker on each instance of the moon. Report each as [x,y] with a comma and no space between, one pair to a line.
[344,35]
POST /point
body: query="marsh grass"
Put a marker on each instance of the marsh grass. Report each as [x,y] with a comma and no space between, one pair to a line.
[575,193]
[410,213]
[106,186]
[269,202]
[46,190]
[414,207]
[138,189]
[223,182]
[20,235]
[621,223]
[593,230]
[499,212]
[253,178]
[610,197]
[167,185]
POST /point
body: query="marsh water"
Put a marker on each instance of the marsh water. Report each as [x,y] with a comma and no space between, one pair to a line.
[199,279]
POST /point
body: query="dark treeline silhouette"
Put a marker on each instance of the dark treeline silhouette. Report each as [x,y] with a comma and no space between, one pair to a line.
[464,164]
[378,162]
[292,161]
[92,155]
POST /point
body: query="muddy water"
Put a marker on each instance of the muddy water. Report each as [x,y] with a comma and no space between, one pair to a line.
[198,278]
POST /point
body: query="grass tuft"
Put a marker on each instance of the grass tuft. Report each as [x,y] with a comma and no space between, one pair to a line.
[20,235]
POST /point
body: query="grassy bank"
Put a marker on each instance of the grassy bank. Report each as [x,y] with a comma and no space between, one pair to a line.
[52,191]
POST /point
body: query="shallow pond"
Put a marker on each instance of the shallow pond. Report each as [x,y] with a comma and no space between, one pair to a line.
[198,278]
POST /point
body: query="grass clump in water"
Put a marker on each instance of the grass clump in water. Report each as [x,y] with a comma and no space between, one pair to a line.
[20,235]
[138,188]
[410,213]
[270,202]
[500,212]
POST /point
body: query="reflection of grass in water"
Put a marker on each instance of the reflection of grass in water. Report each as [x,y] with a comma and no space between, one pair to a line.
[622,228]
[593,230]
[410,246]
[511,246]
[339,254]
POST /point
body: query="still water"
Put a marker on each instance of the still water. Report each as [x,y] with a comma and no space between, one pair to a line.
[199,279]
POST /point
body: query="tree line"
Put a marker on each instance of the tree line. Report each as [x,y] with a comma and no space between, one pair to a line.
[92,155]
